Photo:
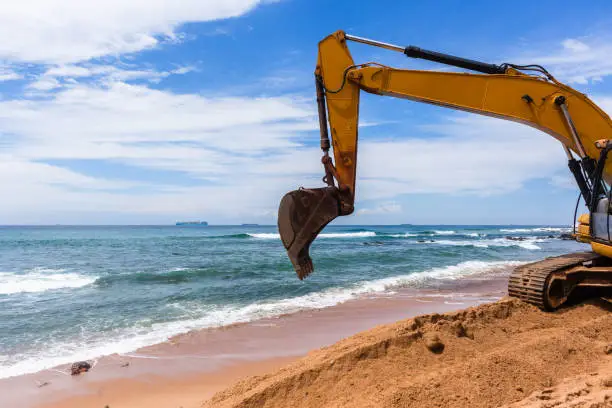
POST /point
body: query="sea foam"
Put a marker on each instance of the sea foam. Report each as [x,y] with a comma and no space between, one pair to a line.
[537,229]
[486,243]
[140,335]
[444,232]
[41,280]
[360,234]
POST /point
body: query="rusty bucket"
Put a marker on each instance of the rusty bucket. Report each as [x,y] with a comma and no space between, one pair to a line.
[302,214]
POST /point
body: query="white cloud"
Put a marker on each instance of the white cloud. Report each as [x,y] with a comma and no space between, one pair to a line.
[17,173]
[383,208]
[241,147]
[111,72]
[563,181]
[577,61]
[44,84]
[7,74]
[74,71]
[604,102]
[70,75]
[575,45]
[246,151]
[63,31]
[470,154]
[86,120]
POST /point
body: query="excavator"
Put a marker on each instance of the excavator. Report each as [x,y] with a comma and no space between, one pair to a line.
[528,94]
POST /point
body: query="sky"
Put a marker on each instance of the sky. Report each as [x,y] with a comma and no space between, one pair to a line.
[154,111]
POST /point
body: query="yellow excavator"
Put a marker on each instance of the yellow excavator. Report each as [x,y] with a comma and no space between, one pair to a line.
[528,94]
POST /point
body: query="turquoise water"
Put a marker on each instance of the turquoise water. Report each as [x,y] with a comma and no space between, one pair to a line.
[69,293]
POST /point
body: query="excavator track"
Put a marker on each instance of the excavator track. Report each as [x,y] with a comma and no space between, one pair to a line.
[530,282]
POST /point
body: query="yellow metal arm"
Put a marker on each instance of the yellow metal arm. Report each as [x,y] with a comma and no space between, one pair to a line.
[514,96]
[506,91]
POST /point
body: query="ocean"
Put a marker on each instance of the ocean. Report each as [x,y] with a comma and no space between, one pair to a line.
[71,293]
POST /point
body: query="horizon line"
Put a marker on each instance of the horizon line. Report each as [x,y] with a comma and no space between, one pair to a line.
[274,225]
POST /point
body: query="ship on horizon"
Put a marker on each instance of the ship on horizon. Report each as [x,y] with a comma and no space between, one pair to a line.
[199,223]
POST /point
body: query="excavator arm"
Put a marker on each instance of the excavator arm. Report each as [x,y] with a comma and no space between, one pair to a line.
[525,94]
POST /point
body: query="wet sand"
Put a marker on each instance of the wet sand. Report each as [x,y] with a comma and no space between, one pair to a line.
[190,368]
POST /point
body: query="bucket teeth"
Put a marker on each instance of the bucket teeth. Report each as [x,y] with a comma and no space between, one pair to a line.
[304,269]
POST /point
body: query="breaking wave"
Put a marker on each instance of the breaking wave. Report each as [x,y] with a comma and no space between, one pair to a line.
[405,235]
[486,243]
[452,272]
[41,280]
[444,232]
[370,234]
[141,335]
[538,229]
[361,234]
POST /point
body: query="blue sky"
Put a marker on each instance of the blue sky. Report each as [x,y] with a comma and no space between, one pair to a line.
[152,111]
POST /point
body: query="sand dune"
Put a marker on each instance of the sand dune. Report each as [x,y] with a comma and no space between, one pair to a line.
[502,354]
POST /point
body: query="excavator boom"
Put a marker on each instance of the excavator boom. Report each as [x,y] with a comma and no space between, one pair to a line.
[527,94]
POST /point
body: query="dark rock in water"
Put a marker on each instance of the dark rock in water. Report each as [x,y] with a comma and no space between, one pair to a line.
[425,240]
[551,236]
[566,236]
[80,367]
[374,243]
[508,237]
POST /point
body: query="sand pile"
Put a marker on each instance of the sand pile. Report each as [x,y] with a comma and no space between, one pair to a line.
[589,390]
[493,355]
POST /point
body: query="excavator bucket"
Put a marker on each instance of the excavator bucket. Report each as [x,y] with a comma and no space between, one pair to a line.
[302,214]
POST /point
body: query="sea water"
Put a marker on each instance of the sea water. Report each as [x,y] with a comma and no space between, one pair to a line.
[74,293]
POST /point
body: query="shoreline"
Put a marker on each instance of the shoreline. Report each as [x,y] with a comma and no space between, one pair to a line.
[191,367]
[127,342]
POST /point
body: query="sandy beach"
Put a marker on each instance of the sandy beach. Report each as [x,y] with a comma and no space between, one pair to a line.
[191,368]
[366,354]
[505,353]
[497,353]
